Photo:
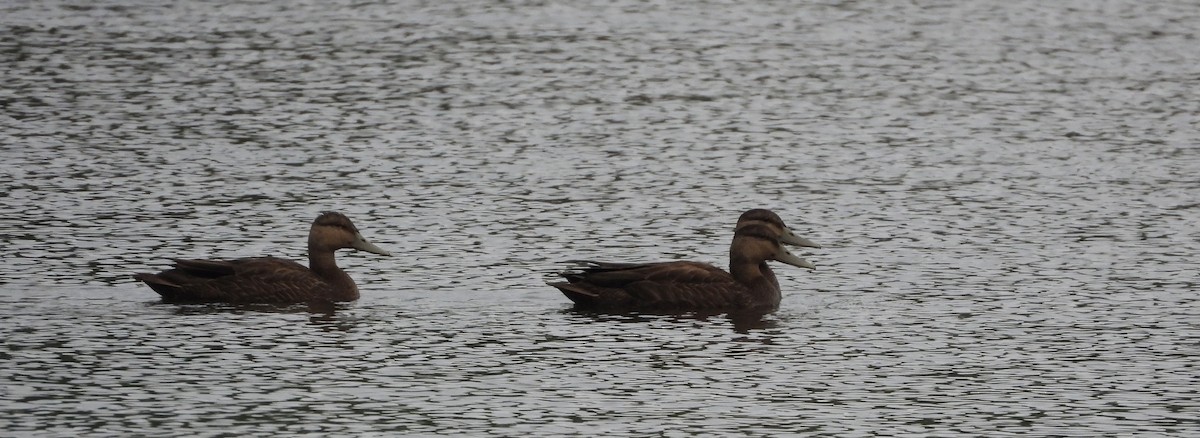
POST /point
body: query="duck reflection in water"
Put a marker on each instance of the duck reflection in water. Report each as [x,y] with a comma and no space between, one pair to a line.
[743,322]
[269,279]
[750,287]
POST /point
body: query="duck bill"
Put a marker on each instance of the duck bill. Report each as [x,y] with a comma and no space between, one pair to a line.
[787,257]
[791,238]
[363,245]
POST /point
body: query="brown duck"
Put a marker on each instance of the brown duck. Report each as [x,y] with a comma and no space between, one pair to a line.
[683,286]
[269,279]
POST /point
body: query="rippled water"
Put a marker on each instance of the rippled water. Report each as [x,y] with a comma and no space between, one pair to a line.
[1006,191]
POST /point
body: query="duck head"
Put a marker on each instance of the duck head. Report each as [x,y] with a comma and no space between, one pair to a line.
[769,218]
[332,231]
[757,242]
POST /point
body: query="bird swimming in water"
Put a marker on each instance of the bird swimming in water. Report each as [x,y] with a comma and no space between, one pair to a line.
[750,285]
[269,279]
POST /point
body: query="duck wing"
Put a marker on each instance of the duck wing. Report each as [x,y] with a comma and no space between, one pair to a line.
[258,280]
[653,286]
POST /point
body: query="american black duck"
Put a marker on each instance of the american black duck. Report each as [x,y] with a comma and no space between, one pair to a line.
[750,285]
[269,279]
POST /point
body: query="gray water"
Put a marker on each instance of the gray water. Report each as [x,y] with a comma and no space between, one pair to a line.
[1007,193]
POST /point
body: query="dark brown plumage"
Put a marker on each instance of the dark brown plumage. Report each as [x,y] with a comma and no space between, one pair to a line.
[683,286]
[269,279]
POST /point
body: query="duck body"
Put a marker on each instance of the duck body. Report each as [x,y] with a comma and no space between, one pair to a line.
[749,285]
[664,286]
[269,279]
[247,280]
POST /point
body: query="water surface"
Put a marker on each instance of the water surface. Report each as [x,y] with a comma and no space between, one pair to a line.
[1005,192]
